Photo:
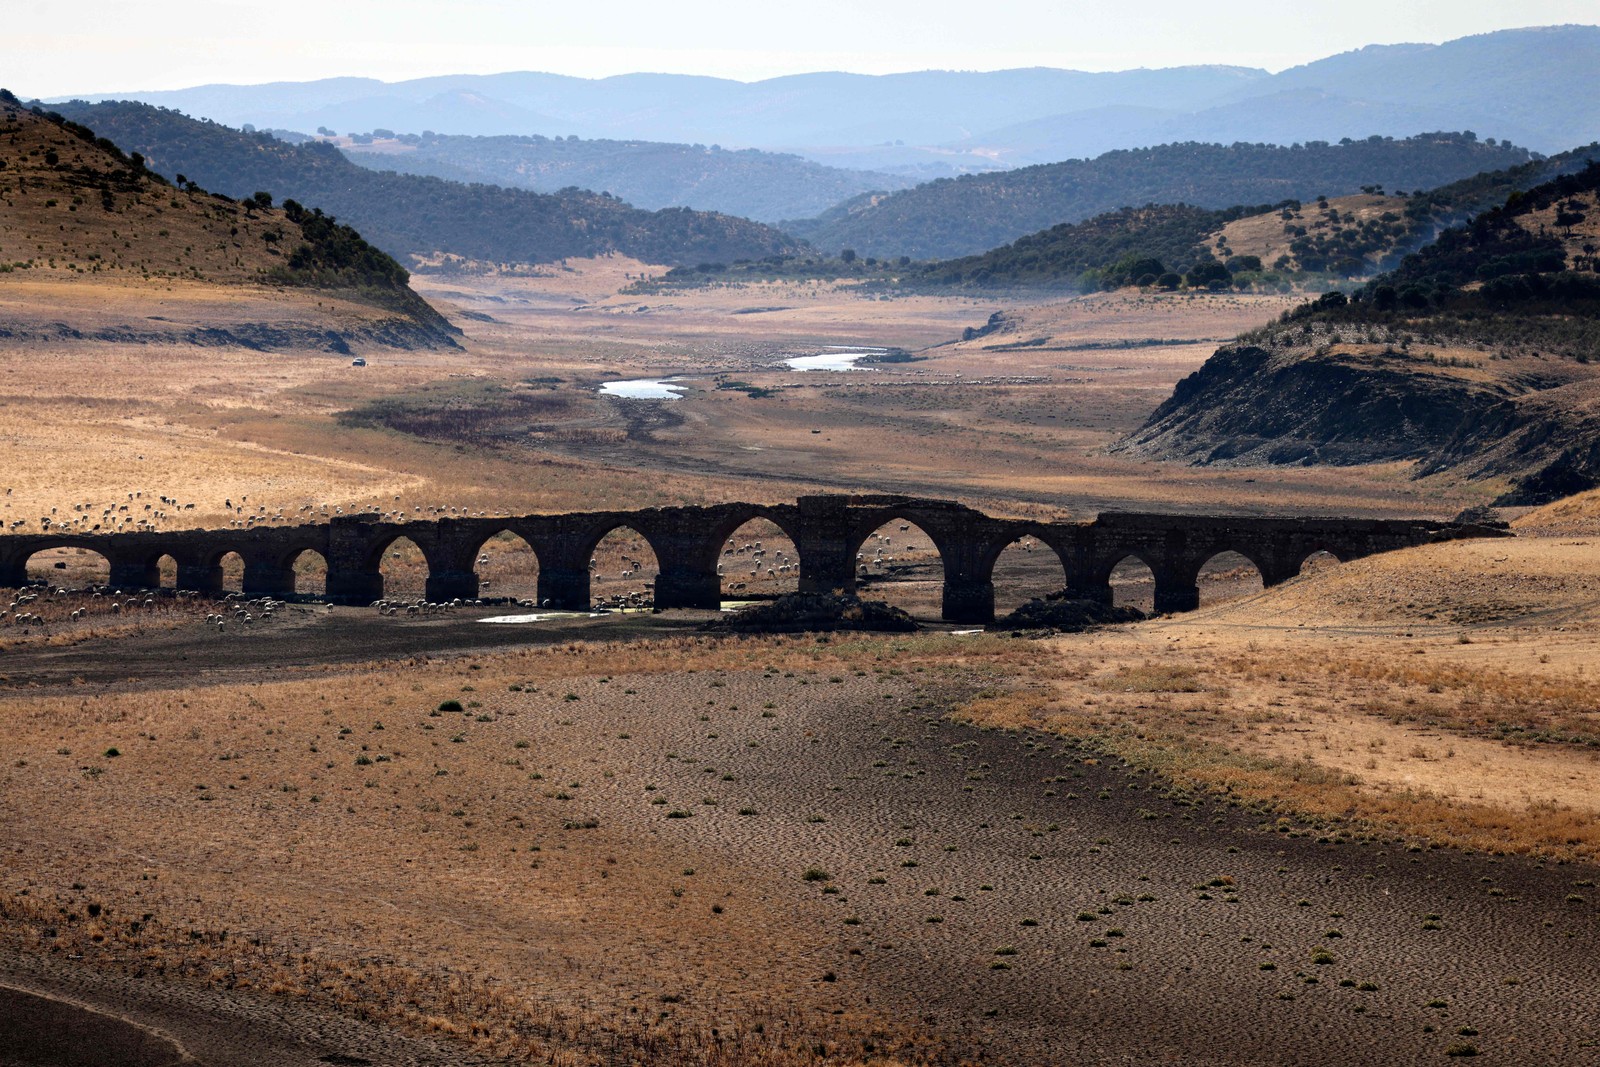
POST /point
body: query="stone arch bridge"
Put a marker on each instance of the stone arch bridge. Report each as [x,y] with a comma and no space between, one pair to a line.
[827,531]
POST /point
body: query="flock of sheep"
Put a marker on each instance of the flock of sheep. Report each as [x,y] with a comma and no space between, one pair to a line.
[43,607]
[135,515]
[148,512]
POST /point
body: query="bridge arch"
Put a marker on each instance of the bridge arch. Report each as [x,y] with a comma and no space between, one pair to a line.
[507,563]
[624,566]
[230,566]
[756,558]
[1130,581]
[636,523]
[892,562]
[214,551]
[1229,574]
[307,570]
[873,521]
[67,564]
[1025,568]
[402,566]
[732,518]
[1308,553]
[1105,566]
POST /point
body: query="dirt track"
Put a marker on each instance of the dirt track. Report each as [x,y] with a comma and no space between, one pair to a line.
[60,1016]
[305,639]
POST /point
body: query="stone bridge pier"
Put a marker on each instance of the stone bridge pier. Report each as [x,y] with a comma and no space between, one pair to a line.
[687,548]
[355,548]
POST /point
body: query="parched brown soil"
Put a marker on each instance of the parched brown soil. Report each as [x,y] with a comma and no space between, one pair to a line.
[1019,431]
[649,846]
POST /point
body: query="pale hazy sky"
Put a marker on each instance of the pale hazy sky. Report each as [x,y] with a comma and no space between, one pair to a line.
[51,48]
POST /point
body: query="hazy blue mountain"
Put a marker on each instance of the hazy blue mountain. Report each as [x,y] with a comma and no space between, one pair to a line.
[766,186]
[458,111]
[808,110]
[1535,87]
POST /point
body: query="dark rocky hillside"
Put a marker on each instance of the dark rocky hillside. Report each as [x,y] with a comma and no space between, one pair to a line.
[1478,357]
[406,214]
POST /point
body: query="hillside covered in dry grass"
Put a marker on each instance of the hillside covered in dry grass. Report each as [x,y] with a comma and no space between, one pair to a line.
[81,214]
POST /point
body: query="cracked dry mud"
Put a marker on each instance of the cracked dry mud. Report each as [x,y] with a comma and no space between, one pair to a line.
[1003,893]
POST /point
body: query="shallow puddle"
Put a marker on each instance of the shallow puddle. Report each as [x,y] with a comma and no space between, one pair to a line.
[836,358]
[644,389]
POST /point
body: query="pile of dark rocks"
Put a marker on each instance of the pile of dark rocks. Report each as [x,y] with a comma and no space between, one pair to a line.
[1066,616]
[815,613]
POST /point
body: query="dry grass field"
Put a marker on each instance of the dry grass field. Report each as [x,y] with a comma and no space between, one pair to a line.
[1014,429]
[1353,812]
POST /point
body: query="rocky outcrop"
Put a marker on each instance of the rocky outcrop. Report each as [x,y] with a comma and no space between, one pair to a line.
[1254,405]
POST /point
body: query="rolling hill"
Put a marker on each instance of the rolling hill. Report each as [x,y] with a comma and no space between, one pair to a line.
[82,217]
[1477,358]
[1341,237]
[410,215]
[970,214]
[764,186]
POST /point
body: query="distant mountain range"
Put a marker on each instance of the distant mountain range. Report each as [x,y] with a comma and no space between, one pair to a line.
[1536,87]
[410,215]
[765,186]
